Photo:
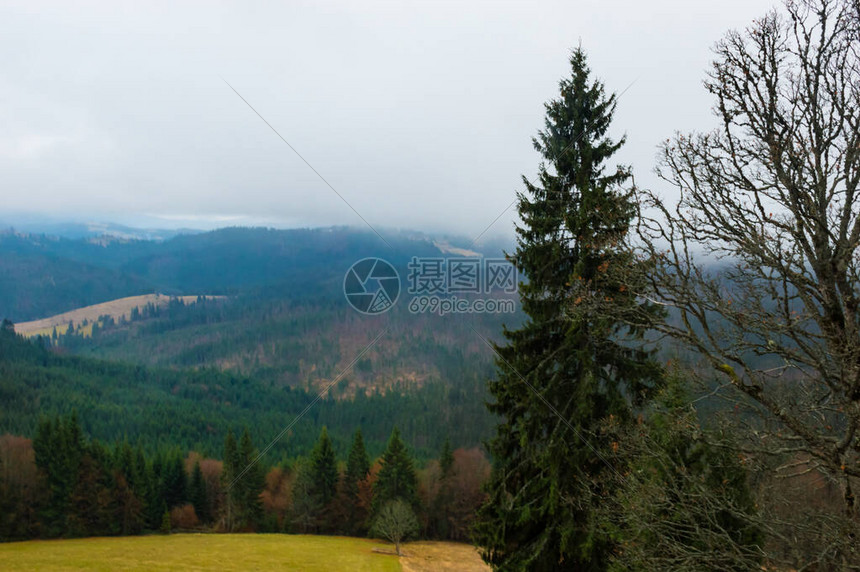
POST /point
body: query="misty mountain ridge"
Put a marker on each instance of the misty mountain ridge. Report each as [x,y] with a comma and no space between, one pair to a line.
[42,275]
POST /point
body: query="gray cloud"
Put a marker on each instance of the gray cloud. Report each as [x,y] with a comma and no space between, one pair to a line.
[420,114]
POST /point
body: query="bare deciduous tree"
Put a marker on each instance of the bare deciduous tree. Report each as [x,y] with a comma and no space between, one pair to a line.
[772,194]
[395,523]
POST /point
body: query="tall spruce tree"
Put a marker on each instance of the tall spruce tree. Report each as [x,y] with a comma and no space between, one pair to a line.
[154,506]
[58,447]
[324,468]
[446,459]
[174,481]
[397,478]
[439,511]
[228,475]
[357,469]
[305,510]
[357,465]
[250,486]
[198,494]
[574,362]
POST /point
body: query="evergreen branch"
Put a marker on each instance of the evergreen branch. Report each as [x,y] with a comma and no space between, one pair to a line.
[551,407]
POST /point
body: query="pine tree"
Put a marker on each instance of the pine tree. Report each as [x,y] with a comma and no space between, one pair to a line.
[440,507]
[228,476]
[58,447]
[197,494]
[446,459]
[573,363]
[250,485]
[324,468]
[124,462]
[165,523]
[89,501]
[358,463]
[305,509]
[127,507]
[153,503]
[357,469]
[397,478]
[174,481]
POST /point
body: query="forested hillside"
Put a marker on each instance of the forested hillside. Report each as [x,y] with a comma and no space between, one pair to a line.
[44,275]
[194,408]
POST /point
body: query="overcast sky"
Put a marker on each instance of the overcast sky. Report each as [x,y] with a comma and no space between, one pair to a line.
[419,113]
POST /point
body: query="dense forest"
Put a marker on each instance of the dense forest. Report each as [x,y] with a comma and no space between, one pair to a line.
[63,484]
[194,408]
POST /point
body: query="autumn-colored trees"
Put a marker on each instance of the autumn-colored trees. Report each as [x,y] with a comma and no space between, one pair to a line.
[451,490]
[21,492]
[63,484]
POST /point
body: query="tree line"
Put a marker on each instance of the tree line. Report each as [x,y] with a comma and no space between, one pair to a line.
[62,484]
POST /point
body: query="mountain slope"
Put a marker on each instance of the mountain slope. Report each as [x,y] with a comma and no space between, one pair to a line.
[193,409]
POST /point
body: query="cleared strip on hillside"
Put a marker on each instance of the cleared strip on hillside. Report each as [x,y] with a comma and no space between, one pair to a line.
[116,309]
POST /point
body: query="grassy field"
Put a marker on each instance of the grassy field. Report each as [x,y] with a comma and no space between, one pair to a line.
[114,308]
[227,552]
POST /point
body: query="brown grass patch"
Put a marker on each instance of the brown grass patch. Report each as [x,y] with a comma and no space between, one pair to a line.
[441,556]
[117,309]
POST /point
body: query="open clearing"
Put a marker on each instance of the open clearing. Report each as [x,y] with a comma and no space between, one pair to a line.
[117,309]
[441,556]
[239,552]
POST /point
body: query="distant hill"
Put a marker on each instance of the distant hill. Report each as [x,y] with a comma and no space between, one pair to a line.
[42,275]
[35,282]
[90,230]
[286,321]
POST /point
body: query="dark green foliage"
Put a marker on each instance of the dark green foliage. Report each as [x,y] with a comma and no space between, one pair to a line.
[446,459]
[243,480]
[318,504]
[59,449]
[306,508]
[229,475]
[547,481]
[285,304]
[91,490]
[174,481]
[198,495]
[397,478]
[154,505]
[685,496]
[324,468]
[357,464]
[91,500]
[439,511]
[357,469]
[165,523]
[119,491]
[251,484]
[193,409]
